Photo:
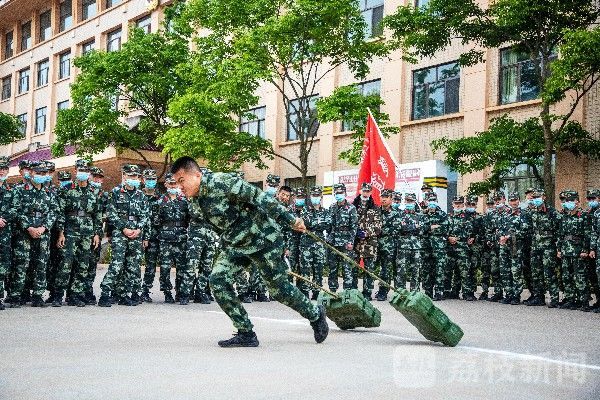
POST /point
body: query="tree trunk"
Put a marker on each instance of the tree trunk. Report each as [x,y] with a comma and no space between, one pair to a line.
[548,153]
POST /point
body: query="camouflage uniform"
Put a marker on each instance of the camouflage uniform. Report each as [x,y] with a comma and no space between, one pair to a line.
[410,257]
[102,197]
[8,212]
[248,222]
[476,247]
[459,274]
[343,232]
[436,242]
[386,242]
[151,235]
[202,247]
[300,244]
[490,274]
[590,264]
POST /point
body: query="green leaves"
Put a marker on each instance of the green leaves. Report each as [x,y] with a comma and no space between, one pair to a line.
[9,129]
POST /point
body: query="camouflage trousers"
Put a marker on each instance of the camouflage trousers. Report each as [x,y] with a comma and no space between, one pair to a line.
[151,262]
[459,273]
[369,264]
[312,260]
[92,267]
[124,269]
[273,269]
[242,284]
[510,260]
[435,264]
[527,278]
[173,254]
[410,263]
[200,257]
[75,261]
[386,258]
[5,256]
[475,255]
[575,279]
[54,261]
[347,270]
[543,271]
[590,265]
[30,254]
[490,272]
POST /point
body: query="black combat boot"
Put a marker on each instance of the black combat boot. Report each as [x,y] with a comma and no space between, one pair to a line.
[505,300]
[90,299]
[247,298]
[50,298]
[113,299]
[136,298]
[184,300]
[209,294]
[314,295]
[367,295]
[56,299]
[241,339]
[104,301]
[496,297]
[469,297]
[516,300]
[15,301]
[381,296]
[437,297]
[320,327]
[25,297]
[126,301]
[483,295]
[146,296]
[78,300]
[201,298]
[536,301]
[263,298]
[169,297]
[37,301]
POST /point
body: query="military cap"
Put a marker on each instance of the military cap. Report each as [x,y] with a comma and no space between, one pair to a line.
[24,164]
[432,196]
[96,171]
[240,174]
[131,169]
[50,165]
[571,195]
[410,196]
[458,199]
[4,162]
[593,193]
[64,176]
[339,188]
[539,192]
[149,173]
[273,180]
[169,178]
[499,194]
[426,187]
[529,190]
[316,191]
[300,192]
[489,200]
[397,196]
[366,186]
[39,167]
[514,196]
[563,194]
[471,199]
[83,164]
[387,193]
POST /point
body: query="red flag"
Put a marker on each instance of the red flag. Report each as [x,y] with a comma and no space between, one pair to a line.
[377,164]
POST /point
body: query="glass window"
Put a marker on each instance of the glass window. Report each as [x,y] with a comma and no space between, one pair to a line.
[253,121]
[8,45]
[64,65]
[302,112]
[6,87]
[23,120]
[110,3]
[518,77]
[42,72]
[297,182]
[87,47]
[364,88]
[145,23]
[62,105]
[26,35]
[113,40]
[421,3]
[45,25]
[372,11]
[23,80]
[88,9]
[66,15]
[40,120]
[436,91]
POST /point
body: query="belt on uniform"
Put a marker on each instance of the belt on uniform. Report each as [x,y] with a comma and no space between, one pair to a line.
[133,218]
[36,214]
[79,213]
[573,237]
[174,224]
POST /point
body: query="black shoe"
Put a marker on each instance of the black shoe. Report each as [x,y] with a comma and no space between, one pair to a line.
[50,298]
[552,304]
[565,305]
[470,297]
[126,301]
[381,296]
[78,301]
[146,297]
[210,296]
[515,301]
[315,295]
[483,296]
[535,301]
[497,297]
[90,299]
[438,297]
[113,299]
[1,305]
[320,327]
[367,295]
[241,339]
[169,297]
[57,301]
[184,300]
[72,300]
[263,298]
[177,297]
[136,298]
[104,301]
[247,298]
[15,302]
[202,298]
[529,299]
[585,307]
[37,301]
[505,300]
[597,310]
[26,297]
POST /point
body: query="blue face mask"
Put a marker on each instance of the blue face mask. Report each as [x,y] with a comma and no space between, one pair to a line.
[134,183]
[315,200]
[150,183]
[569,205]
[83,176]
[537,202]
[39,179]
[3,178]
[174,191]
[395,205]
[96,184]
[65,184]
[470,209]
[27,175]
[432,204]
[271,190]
[458,209]
[339,197]
[593,203]
[409,206]
[300,202]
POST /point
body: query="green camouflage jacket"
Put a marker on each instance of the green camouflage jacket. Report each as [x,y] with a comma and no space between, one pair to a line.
[128,209]
[573,236]
[171,219]
[80,211]
[37,207]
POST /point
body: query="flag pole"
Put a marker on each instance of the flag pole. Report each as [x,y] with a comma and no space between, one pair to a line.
[383,139]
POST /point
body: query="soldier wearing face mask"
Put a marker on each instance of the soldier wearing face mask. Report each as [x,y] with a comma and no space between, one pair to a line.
[593,195]
[298,205]
[460,233]
[387,242]
[475,243]
[410,257]
[490,274]
[435,244]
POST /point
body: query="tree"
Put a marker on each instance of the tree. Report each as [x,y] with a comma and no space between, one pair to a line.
[290,44]
[10,129]
[537,28]
[142,74]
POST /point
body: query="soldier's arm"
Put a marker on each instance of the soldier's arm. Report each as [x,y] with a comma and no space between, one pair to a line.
[113,217]
[144,222]
[62,205]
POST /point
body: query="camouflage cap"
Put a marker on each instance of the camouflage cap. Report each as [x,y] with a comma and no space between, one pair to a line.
[39,167]
[4,162]
[64,176]
[131,169]
[529,190]
[366,186]
[571,195]
[149,173]
[339,188]
[387,193]
[472,199]
[431,196]
[489,200]
[273,180]
[51,166]
[24,164]
[83,165]
[316,191]
[499,194]
[514,196]
[300,192]
[397,196]
[410,197]
[458,199]
[539,192]
[96,171]
[240,174]
[169,178]
[593,193]
[426,186]
[563,194]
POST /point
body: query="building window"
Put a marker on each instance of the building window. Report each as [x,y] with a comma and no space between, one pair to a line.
[111,3]
[364,88]
[435,91]
[88,9]
[62,105]
[145,23]
[64,65]
[87,47]
[66,15]
[6,87]
[23,120]
[518,76]
[26,35]
[114,102]
[8,45]
[255,124]
[45,25]
[421,3]
[294,116]
[23,80]
[297,182]
[42,72]
[113,40]
[523,176]
[372,12]
[40,120]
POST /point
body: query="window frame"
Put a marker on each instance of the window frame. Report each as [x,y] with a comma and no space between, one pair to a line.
[65,21]
[371,31]
[348,125]
[85,6]
[37,131]
[21,76]
[148,27]
[42,37]
[289,113]
[39,72]
[260,122]
[26,41]
[109,41]
[4,95]
[91,43]
[437,81]
[112,3]
[23,118]
[61,65]
[9,45]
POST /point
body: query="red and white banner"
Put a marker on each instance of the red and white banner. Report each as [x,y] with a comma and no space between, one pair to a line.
[377,164]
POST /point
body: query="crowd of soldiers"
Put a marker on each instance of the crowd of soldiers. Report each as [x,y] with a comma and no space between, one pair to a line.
[51,236]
